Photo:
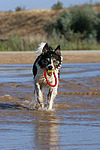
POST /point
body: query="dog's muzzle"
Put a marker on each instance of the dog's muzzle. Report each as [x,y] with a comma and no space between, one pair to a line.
[49,67]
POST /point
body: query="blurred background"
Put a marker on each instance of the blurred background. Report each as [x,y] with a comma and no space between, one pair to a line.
[75,25]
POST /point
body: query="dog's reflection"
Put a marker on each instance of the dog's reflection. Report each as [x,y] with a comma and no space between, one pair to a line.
[46,132]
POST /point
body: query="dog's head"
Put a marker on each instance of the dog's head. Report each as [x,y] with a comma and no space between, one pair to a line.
[50,58]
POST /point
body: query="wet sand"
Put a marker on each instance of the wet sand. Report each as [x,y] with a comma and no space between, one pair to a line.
[68,57]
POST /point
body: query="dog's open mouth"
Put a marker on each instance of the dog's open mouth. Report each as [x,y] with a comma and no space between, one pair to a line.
[49,72]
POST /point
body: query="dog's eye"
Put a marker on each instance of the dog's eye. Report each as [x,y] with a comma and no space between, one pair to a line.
[47,59]
[55,61]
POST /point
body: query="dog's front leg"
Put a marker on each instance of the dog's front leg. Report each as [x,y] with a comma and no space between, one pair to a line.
[39,94]
[51,96]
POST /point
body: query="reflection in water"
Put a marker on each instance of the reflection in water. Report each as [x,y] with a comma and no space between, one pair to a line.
[46,131]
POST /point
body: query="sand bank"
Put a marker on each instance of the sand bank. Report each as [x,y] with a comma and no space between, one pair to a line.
[68,57]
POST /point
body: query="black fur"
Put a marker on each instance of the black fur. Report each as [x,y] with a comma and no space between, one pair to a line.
[49,59]
[34,70]
[45,59]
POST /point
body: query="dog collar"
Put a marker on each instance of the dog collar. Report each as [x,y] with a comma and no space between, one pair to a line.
[45,75]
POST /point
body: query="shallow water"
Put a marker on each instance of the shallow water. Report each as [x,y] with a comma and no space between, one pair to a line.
[73,123]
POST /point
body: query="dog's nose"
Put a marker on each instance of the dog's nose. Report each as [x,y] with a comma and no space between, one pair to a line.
[49,67]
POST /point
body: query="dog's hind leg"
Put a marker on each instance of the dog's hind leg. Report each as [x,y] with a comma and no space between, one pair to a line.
[39,95]
[51,96]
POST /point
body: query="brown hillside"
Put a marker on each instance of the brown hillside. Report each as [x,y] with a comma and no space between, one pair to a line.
[24,23]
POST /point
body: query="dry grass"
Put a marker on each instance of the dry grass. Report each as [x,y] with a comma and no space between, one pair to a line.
[24,23]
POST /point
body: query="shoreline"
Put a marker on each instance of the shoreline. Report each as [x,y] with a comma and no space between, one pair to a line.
[28,57]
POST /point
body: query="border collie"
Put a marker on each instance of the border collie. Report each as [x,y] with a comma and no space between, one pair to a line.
[46,73]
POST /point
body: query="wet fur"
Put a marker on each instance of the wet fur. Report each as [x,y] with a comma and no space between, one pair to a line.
[51,60]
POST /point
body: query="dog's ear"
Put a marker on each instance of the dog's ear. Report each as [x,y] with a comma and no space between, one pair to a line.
[47,48]
[57,50]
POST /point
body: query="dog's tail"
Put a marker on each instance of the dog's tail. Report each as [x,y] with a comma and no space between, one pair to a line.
[40,48]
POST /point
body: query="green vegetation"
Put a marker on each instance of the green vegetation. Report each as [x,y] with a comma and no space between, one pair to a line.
[19,8]
[77,26]
[57,6]
[15,43]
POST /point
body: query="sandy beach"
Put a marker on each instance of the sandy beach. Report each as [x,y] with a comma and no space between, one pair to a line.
[68,57]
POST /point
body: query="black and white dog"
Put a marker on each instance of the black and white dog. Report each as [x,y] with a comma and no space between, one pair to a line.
[46,73]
